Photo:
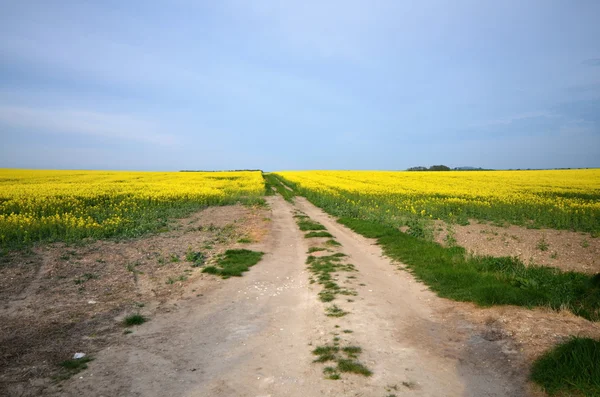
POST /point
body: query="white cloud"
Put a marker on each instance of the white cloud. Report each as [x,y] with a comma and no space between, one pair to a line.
[86,123]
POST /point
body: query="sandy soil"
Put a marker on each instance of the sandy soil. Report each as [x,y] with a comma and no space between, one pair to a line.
[253,336]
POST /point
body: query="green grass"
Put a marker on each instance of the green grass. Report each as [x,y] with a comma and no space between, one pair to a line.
[486,281]
[317,234]
[134,319]
[570,369]
[346,359]
[272,180]
[332,243]
[234,263]
[335,311]
[307,224]
[322,268]
[73,367]
[316,249]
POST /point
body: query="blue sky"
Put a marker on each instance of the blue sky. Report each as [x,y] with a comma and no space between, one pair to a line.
[182,84]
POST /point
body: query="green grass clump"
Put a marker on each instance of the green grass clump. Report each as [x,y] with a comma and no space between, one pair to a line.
[485,280]
[72,367]
[134,319]
[317,234]
[346,359]
[571,368]
[335,311]
[322,267]
[306,224]
[234,263]
[332,243]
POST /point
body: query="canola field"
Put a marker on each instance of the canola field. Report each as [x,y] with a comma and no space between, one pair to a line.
[558,199]
[72,205]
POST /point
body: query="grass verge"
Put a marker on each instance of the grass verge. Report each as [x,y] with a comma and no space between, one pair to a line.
[272,181]
[571,368]
[486,280]
[234,263]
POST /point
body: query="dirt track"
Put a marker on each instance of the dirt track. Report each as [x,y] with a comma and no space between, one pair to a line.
[253,336]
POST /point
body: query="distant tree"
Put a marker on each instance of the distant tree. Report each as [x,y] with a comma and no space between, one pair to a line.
[439,168]
[418,168]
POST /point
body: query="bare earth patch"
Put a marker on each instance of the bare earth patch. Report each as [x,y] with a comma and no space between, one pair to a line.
[567,250]
[56,300]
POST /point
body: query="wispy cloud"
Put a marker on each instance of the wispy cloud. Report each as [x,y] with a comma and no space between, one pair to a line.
[86,123]
[592,62]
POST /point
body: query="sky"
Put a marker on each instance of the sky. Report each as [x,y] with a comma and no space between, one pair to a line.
[312,84]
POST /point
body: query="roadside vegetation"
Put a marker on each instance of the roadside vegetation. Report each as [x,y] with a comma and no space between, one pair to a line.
[571,368]
[487,281]
[233,263]
[273,181]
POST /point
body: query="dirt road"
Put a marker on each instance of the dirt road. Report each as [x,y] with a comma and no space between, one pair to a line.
[253,336]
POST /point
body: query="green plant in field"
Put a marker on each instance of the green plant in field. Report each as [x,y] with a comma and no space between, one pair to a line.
[174,258]
[335,311]
[316,249]
[571,368]
[245,240]
[332,243]
[86,277]
[542,244]
[346,359]
[307,224]
[585,243]
[196,257]
[72,367]
[134,319]
[317,234]
[234,263]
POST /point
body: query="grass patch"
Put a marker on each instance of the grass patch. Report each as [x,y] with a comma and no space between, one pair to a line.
[134,319]
[316,249]
[345,358]
[273,181]
[307,224]
[487,281]
[322,268]
[245,240]
[317,234]
[234,263]
[571,368]
[335,311]
[333,243]
[73,367]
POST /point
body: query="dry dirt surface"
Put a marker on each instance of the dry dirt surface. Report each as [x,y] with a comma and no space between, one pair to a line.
[56,300]
[253,335]
[564,249]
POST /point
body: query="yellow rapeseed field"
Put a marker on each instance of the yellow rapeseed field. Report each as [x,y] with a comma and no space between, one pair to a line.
[66,205]
[563,199]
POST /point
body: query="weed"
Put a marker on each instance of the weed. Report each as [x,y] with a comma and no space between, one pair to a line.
[197,258]
[73,367]
[234,263]
[554,255]
[347,331]
[316,249]
[134,319]
[335,311]
[349,365]
[332,243]
[585,243]
[245,240]
[306,224]
[542,244]
[174,258]
[318,234]
[571,368]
